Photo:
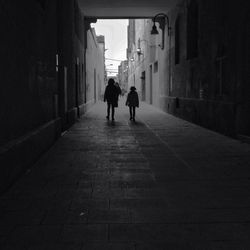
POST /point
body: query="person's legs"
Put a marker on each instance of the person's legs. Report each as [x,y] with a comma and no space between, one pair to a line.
[133,113]
[113,112]
[108,110]
[130,112]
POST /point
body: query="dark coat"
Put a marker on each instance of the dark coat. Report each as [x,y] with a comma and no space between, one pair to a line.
[110,94]
[132,99]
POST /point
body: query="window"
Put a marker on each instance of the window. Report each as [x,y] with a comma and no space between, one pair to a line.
[192,29]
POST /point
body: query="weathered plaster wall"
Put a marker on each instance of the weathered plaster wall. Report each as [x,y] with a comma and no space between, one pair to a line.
[95,68]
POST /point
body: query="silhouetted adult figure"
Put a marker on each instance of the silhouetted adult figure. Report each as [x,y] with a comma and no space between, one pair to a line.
[132,102]
[110,96]
[119,91]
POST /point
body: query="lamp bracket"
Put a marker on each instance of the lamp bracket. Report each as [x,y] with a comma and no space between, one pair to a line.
[161,21]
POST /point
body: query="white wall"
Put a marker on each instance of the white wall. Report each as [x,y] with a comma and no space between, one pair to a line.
[151,53]
[94,68]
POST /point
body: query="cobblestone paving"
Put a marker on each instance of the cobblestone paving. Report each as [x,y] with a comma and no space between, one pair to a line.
[158,183]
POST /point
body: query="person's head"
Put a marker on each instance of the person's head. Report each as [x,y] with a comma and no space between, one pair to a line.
[132,88]
[111,81]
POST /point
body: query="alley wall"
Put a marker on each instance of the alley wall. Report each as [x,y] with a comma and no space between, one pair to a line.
[43,79]
[94,67]
[200,71]
[207,65]
[29,87]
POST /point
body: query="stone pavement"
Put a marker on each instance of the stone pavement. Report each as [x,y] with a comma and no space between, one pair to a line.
[158,183]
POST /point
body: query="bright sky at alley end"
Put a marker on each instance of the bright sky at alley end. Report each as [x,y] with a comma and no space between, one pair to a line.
[115,32]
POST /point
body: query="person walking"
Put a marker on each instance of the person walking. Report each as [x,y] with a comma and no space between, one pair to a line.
[132,102]
[110,95]
[118,92]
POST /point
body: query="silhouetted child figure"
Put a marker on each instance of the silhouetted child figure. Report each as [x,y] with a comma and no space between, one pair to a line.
[132,102]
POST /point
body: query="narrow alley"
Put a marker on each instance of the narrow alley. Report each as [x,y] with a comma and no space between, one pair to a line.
[158,183]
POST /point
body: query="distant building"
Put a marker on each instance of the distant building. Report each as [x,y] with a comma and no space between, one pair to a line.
[123,76]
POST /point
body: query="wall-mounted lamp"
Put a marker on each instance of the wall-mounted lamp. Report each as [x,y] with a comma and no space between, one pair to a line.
[139,52]
[154,30]
[161,19]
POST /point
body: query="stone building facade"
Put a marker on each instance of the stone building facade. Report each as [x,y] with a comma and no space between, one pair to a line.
[123,76]
[143,54]
[202,73]
[43,78]
[94,67]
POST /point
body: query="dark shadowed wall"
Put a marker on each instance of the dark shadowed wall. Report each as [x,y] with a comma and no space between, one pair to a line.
[210,65]
[42,78]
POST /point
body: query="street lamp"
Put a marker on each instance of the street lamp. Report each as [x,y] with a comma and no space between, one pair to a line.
[139,51]
[161,19]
